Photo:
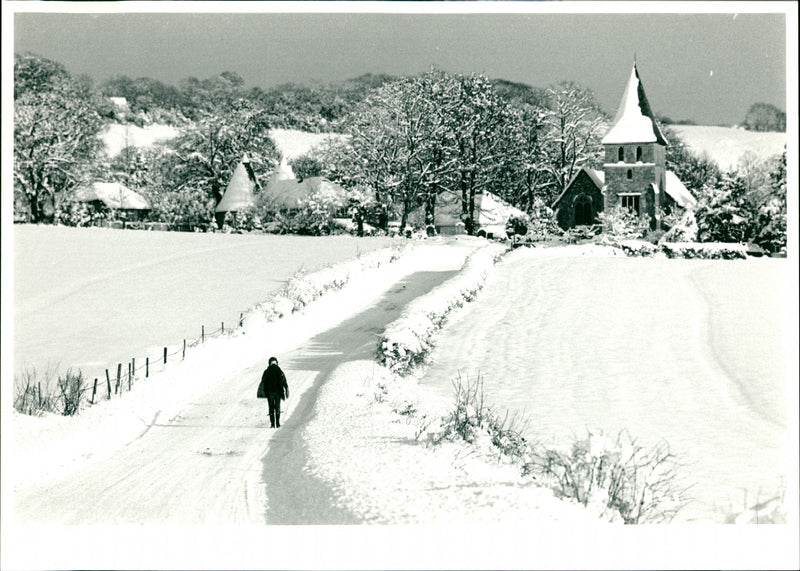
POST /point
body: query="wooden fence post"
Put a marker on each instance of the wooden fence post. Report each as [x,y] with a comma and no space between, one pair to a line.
[129,377]
[133,366]
[202,333]
[146,367]
[40,395]
[94,390]
[119,375]
[184,350]
[108,382]
[165,355]
[223,328]
[241,319]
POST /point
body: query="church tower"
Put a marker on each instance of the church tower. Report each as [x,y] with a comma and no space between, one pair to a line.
[635,154]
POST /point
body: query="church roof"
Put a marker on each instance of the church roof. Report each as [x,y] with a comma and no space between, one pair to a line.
[679,193]
[635,121]
[598,178]
[290,193]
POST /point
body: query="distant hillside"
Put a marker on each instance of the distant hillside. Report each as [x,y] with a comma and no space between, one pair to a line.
[726,145]
[290,142]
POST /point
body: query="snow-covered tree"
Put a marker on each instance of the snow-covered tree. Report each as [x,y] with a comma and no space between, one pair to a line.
[483,125]
[765,117]
[573,133]
[56,123]
[208,151]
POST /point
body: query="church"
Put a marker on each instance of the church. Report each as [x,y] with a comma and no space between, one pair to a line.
[634,174]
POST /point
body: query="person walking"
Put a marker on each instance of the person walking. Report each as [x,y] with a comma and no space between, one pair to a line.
[274,387]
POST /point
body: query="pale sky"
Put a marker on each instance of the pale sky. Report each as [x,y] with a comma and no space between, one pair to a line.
[706,67]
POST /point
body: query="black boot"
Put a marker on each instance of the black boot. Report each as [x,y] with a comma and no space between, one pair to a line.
[272,420]
[278,419]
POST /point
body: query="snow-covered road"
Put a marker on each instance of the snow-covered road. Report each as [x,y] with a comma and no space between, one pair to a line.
[294,496]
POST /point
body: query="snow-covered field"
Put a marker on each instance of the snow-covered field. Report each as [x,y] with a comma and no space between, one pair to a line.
[89,298]
[293,143]
[726,145]
[290,142]
[117,136]
[357,438]
[693,352]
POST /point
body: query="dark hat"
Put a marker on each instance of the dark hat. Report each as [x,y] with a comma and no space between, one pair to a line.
[273,360]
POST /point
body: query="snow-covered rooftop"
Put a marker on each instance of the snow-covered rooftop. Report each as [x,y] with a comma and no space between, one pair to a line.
[635,121]
[598,178]
[239,193]
[112,194]
[679,193]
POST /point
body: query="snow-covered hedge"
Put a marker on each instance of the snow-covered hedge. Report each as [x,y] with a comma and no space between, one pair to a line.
[705,251]
[637,248]
[407,340]
[302,289]
[689,250]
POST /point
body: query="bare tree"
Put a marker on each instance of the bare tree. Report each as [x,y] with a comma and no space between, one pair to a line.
[573,140]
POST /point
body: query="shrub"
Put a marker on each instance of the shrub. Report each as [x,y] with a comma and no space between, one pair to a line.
[74,213]
[516,226]
[32,394]
[641,485]
[622,223]
[472,419]
[543,220]
[696,250]
[682,229]
[636,248]
[71,386]
[579,233]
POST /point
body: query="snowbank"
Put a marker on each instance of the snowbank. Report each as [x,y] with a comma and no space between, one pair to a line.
[304,289]
[406,341]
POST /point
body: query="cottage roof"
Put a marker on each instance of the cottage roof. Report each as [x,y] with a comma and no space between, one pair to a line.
[491,213]
[634,121]
[598,178]
[287,193]
[119,102]
[494,211]
[113,194]
[239,193]
[679,193]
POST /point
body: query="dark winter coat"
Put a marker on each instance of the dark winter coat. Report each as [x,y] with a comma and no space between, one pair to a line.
[273,381]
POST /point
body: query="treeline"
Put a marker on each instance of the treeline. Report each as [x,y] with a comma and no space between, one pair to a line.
[411,143]
[314,108]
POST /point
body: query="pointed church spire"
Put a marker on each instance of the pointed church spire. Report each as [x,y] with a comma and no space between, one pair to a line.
[635,121]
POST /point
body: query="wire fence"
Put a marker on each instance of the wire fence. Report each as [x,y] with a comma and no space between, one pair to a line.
[139,368]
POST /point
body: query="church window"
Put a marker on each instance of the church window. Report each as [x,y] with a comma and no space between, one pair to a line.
[630,174]
[631,203]
[621,154]
[638,154]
